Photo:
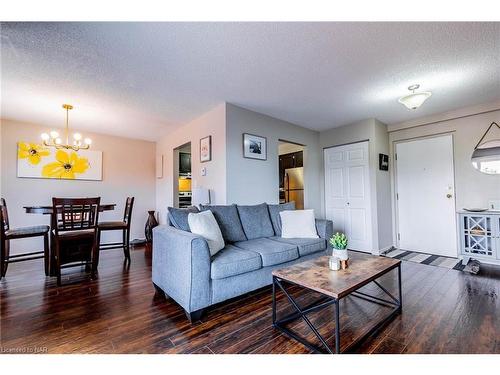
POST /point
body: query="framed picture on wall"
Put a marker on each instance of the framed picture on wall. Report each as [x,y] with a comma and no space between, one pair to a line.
[206,149]
[254,147]
[35,160]
[383,162]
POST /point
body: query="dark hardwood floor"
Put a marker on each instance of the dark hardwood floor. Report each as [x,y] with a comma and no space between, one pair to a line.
[444,311]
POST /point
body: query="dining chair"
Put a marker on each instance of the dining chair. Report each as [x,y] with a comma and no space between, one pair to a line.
[74,224]
[7,234]
[123,225]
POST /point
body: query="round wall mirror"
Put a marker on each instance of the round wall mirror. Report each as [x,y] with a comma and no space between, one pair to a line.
[486,157]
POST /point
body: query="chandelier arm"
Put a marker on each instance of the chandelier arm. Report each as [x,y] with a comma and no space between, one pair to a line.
[485,133]
[58,144]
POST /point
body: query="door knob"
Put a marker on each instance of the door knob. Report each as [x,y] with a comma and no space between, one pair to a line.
[449,195]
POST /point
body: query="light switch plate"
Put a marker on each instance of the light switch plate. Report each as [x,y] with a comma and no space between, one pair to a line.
[494,205]
[203,171]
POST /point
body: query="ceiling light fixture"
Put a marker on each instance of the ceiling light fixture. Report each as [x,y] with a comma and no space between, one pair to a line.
[53,140]
[415,99]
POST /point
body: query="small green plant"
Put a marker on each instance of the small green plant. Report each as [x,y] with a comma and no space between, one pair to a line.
[339,241]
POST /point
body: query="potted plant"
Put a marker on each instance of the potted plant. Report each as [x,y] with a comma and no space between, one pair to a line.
[339,244]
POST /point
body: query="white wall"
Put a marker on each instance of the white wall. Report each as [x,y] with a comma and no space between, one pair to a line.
[376,133]
[472,188]
[1,171]
[128,170]
[211,123]
[255,181]
[383,184]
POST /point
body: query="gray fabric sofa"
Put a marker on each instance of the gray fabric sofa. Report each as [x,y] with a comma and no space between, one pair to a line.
[184,270]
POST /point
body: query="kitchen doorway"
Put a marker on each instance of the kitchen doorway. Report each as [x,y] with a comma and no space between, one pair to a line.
[182,182]
[291,173]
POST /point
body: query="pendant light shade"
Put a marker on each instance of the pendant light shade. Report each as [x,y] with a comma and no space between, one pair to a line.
[415,99]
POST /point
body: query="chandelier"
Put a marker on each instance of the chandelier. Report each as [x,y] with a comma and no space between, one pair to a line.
[53,140]
[415,99]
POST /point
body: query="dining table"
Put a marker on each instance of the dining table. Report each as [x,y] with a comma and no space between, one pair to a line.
[48,210]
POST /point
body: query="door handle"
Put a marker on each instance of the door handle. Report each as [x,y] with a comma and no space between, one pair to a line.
[449,196]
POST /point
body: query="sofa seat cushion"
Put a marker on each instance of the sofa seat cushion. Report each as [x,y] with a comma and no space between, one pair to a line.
[271,252]
[256,221]
[306,245]
[229,222]
[232,261]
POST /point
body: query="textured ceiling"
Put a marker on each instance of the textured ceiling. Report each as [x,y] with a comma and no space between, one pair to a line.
[144,79]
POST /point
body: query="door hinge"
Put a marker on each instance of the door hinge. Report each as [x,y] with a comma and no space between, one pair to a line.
[396,156]
[397,196]
[399,237]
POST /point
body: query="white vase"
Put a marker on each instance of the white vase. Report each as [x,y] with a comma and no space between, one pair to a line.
[341,254]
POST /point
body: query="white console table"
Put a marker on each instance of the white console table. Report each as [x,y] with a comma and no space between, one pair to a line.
[479,236]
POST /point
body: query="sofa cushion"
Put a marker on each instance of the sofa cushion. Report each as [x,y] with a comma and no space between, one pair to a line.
[274,213]
[179,217]
[256,221]
[229,222]
[205,225]
[271,252]
[306,245]
[232,261]
[298,224]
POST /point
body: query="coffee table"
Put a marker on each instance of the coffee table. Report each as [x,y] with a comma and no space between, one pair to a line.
[333,287]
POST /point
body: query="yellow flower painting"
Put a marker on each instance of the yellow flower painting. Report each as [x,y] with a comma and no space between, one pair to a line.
[38,161]
[32,152]
[67,165]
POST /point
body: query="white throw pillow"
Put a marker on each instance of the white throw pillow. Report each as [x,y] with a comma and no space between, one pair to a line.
[205,225]
[298,224]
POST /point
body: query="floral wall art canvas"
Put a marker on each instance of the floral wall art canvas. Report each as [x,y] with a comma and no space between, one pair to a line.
[37,161]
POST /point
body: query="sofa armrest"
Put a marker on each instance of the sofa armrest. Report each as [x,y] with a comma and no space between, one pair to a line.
[181,266]
[325,230]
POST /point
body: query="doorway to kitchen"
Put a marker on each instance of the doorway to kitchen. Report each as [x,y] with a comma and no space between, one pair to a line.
[182,182]
[291,173]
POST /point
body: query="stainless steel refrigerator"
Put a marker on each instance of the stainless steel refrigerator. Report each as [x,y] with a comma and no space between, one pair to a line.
[294,186]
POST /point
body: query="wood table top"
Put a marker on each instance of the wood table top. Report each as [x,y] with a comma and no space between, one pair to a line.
[45,210]
[316,275]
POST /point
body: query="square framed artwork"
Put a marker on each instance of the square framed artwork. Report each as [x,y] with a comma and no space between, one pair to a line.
[254,147]
[206,149]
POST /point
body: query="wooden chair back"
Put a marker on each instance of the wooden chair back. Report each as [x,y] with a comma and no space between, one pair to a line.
[127,215]
[4,226]
[71,214]
[4,217]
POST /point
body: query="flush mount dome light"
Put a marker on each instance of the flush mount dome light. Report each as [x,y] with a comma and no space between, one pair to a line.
[415,99]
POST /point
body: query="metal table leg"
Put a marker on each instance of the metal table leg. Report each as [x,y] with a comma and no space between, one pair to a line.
[396,305]
[337,327]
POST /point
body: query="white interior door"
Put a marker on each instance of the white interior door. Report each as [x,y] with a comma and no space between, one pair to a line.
[426,196]
[347,193]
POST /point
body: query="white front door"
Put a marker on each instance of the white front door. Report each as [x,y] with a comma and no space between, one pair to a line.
[347,193]
[426,196]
